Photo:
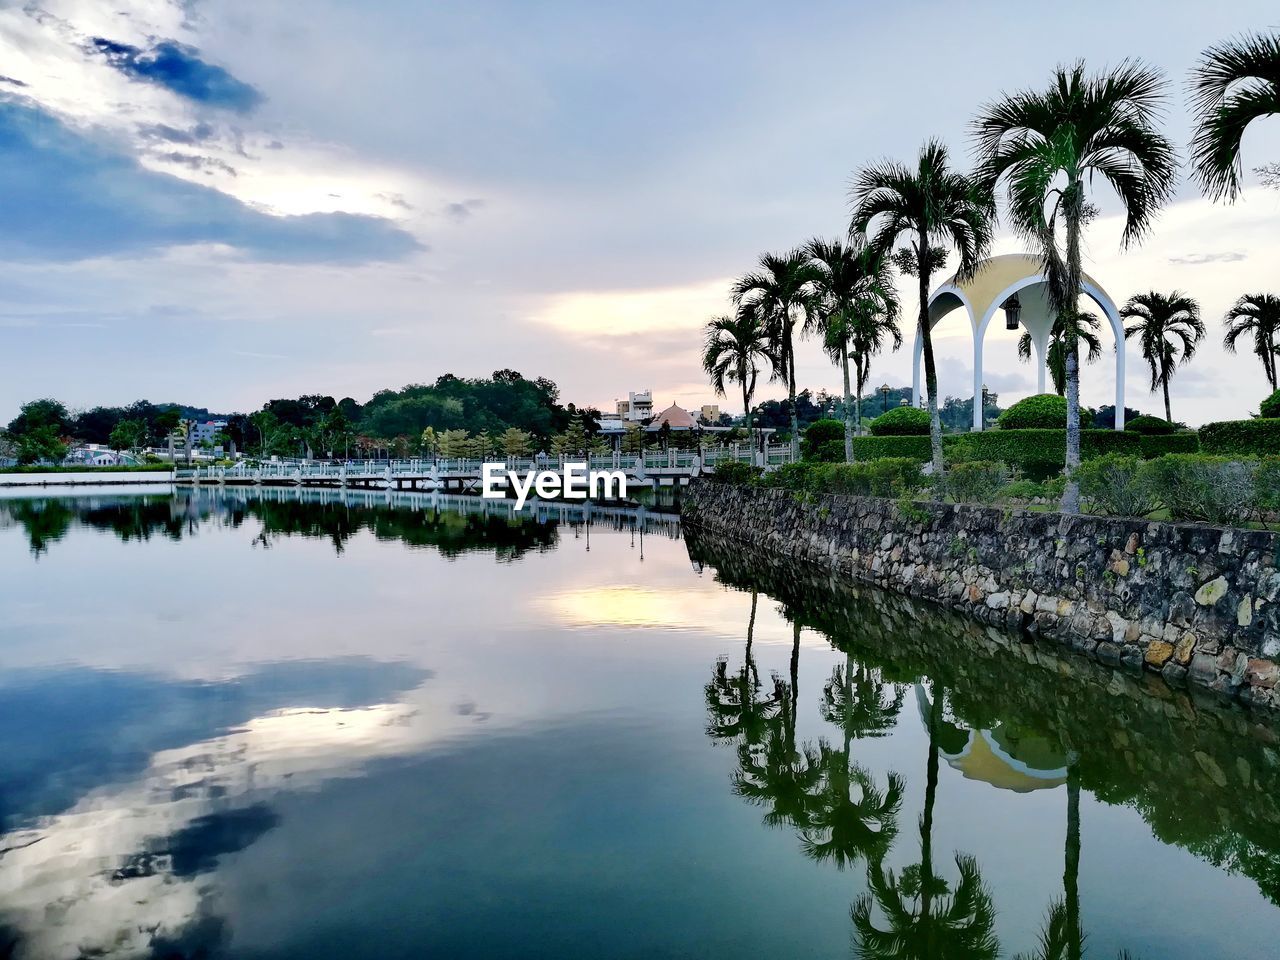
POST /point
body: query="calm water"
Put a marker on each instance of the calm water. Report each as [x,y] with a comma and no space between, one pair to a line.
[286,729]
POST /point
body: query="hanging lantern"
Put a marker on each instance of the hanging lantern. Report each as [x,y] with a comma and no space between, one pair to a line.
[1012,312]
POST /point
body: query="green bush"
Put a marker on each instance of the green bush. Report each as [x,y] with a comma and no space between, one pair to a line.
[1266,484]
[1044,411]
[1270,407]
[901,422]
[797,477]
[1119,485]
[1150,425]
[1259,437]
[1199,487]
[1021,491]
[878,448]
[1037,453]
[888,477]
[734,471]
[1157,445]
[976,481]
[822,439]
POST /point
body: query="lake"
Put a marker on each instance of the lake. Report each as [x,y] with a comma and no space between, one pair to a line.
[316,726]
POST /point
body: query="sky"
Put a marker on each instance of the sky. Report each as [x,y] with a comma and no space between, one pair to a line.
[219,204]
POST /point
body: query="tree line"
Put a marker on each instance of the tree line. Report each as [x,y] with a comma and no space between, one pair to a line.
[1038,154]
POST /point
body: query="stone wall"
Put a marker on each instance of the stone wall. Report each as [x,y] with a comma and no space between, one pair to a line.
[1198,604]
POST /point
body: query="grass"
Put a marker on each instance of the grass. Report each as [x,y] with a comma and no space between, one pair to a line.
[131,468]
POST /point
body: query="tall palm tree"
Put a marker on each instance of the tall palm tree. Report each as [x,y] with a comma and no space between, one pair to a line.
[855,308]
[1257,315]
[1056,356]
[1168,327]
[734,351]
[926,918]
[735,710]
[1045,146]
[1234,84]
[780,292]
[920,209]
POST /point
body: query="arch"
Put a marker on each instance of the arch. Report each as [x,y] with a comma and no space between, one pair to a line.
[994,281]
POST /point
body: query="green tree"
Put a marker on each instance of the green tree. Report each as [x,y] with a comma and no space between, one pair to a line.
[923,208]
[45,412]
[855,309]
[1168,327]
[128,435]
[40,443]
[516,442]
[1234,84]
[779,293]
[1257,315]
[266,423]
[734,350]
[574,441]
[1045,146]
[633,439]
[454,444]
[430,442]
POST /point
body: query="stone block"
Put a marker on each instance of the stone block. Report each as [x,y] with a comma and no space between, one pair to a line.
[1158,653]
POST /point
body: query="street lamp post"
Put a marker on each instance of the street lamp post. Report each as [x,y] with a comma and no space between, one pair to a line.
[884,397]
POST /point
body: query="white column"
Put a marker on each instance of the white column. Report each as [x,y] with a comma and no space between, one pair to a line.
[1120,385]
[977,380]
[915,369]
[1042,365]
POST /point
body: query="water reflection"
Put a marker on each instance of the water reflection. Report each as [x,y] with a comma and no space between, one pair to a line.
[1204,775]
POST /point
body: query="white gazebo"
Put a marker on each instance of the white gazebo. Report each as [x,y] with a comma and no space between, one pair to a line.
[988,290]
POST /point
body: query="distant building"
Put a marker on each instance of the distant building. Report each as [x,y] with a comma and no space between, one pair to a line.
[637,407]
[711,412]
[675,418]
[206,430]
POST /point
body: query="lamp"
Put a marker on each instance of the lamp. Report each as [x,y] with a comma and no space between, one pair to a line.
[1012,312]
[884,398]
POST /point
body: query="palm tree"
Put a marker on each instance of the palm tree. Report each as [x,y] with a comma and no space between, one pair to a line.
[734,709]
[1168,328]
[1080,127]
[1056,356]
[1257,315]
[921,208]
[735,347]
[1234,84]
[927,919]
[780,293]
[855,308]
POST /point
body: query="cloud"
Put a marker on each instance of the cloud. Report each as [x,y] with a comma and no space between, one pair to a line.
[178,68]
[11,81]
[67,196]
[162,131]
[1200,259]
[463,209]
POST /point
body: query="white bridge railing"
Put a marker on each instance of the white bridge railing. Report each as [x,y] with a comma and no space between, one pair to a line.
[660,462]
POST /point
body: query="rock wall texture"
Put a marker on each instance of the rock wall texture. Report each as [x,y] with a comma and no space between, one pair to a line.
[1198,604]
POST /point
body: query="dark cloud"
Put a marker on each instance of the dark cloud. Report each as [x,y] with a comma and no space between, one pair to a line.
[68,197]
[463,209]
[1200,259]
[396,200]
[200,163]
[179,69]
[11,81]
[162,131]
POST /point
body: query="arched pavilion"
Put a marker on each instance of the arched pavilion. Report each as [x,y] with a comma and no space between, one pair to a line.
[993,284]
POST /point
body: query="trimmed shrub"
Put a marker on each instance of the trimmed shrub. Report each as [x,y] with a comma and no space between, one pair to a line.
[901,422]
[1270,407]
[1037,453]
[1150,425]
[878,448]
[1023,491]
[821,439]
[1259,437]
[1119,485]
[1199,487]
[976,481]
[1157,445]
[734,471]
[1045,411]
[791,476]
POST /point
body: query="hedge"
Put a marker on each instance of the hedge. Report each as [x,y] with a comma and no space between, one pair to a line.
[1256,438]
[1157,445]
[1270,407]
[1042,411]
[821,438]
[1149,425]
[877,448]
[901,422]
[1038,453]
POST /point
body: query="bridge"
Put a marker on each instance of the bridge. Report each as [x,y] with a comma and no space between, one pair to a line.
[654,468]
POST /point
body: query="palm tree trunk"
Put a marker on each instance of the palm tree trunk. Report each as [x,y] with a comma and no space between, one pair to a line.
[751,629]
[791,394]
[1071,303]
[930,371]
[848,413]
[795,681]
[926,819]
[1168,414]
[1071,865]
